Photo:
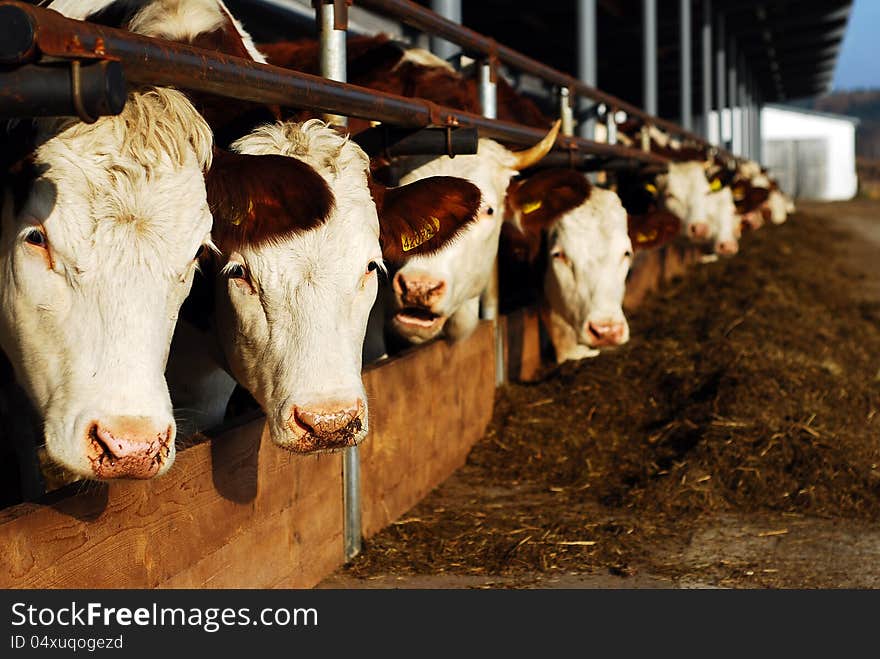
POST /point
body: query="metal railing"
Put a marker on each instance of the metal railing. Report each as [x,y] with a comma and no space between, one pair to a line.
[476,44]
[46,34]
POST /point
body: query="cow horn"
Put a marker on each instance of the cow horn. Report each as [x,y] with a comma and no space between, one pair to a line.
[530,156]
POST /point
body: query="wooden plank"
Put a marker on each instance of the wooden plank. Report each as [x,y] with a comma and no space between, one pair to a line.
[523,344]
[295,538]
[427,408]
[644,277]
[141,534]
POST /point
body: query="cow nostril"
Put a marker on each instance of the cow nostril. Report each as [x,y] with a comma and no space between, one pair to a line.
[597,332]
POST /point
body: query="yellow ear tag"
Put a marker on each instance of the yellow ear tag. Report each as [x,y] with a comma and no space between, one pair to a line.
[238,219]
[716,184]
[531,207]
[650,187]
[646,237]
[412,240]
[739,194]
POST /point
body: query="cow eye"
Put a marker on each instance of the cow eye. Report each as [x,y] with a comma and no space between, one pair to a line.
[235,271]
[36,237]
[372,266]
[627,254]
[199,253]
[559,254]
[490,211]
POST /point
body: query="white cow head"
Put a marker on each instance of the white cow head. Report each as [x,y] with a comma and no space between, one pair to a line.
[683,191]
[778,206]
[303,233]
[587,251]
[429,290]
[724,222]
[97,253]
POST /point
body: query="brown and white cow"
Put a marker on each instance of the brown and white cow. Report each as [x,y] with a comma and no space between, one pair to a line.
[580,240]
[302,234]
[102,228]
[441,292]
[299,270]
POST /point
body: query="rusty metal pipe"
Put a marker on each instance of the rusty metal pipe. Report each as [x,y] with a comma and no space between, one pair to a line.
[158,62]
[47,90]
[391,141]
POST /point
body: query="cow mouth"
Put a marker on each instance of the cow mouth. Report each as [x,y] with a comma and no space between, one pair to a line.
[143,465]
[418,317]
[352,435]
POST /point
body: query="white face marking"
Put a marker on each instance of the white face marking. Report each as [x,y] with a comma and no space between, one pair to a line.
[293,328]
[684,190]
[723,219]
[589,255]
[89,314]
[465,265]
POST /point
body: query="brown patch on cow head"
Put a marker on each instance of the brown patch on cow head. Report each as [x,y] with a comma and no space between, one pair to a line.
[652,229]
[540,200]
[747,197]
[423,216]
[260,199]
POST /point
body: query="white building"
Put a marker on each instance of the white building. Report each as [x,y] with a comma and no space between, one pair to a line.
[813,154]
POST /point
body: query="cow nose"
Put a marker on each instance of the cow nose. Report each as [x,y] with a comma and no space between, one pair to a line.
[606,333]
[326,426]
[418,290]
[698,230]
[727,247]
[129,446]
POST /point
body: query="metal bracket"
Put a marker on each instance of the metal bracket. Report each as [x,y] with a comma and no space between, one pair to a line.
[76,93]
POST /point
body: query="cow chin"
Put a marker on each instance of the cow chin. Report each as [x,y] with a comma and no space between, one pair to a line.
[417,326]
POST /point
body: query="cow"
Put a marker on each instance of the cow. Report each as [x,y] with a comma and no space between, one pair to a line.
[441,292]
[103,225]
[579,240]
[302,233]
[292,296]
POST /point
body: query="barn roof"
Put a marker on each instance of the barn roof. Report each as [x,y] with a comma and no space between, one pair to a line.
[790,46]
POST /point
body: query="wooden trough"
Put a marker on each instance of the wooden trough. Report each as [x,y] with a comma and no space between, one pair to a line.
[236,511]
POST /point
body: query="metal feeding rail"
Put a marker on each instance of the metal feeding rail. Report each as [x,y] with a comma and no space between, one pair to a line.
[472,42]
[30,34]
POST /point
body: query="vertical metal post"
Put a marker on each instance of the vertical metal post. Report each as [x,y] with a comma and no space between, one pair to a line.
[586,49]
[611,123]
[743,101]
[720,76]
[565,112]
[759,155]
[488,94]
[706,45]
[333,23]
[489,297]
[686,82]
[649,56]
[731,93]
[449,9]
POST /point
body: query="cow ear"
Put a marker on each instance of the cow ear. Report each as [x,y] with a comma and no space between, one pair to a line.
[259,199]
[421,217]
[652,229]
[542,199]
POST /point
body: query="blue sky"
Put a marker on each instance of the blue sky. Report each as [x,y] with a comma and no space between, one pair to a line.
[858,64]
